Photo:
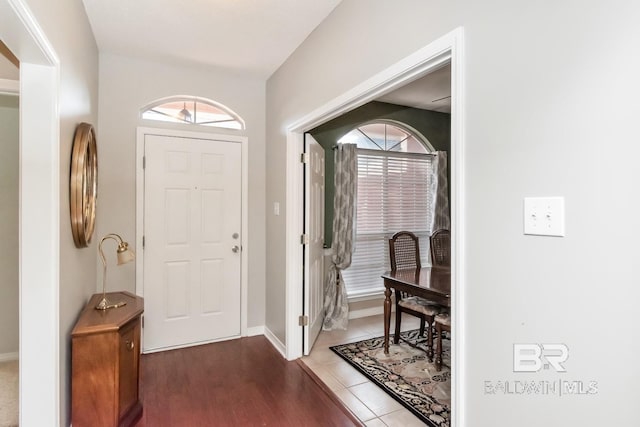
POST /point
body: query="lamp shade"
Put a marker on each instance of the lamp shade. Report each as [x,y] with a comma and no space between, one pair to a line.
[125,254]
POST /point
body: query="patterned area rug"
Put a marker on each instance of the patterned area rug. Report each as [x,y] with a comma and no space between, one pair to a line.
[406,374]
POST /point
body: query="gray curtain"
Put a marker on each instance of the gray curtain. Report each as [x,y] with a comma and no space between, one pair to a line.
[440,187]
[336,306]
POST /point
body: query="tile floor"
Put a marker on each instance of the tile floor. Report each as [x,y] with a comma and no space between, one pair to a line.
[366,400]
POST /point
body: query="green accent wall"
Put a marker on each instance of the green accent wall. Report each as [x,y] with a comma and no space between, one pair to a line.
[434,126]
[9,222]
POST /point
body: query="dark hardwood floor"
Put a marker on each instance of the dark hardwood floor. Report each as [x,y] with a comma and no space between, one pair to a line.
[243,382]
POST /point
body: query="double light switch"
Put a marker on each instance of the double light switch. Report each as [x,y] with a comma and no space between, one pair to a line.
[544,216]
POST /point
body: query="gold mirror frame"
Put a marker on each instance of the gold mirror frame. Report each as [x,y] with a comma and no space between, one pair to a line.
[83,184]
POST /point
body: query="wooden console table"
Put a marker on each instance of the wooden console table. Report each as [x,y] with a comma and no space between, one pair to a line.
[105,364]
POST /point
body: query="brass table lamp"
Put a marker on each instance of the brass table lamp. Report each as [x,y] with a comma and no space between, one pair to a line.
[124,255]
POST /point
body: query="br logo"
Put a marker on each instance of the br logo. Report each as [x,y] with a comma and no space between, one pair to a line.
[534,357]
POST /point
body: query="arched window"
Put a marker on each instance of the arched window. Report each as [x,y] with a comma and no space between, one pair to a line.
[394,193]
[387,136]
[192,110]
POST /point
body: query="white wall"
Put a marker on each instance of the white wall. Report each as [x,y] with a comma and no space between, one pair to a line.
[128,84]
[9,224]
[551,109]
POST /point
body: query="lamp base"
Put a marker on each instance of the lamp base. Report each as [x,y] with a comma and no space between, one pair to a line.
[105,304]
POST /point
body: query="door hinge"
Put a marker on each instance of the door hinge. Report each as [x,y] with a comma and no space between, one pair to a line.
[303,320]
[142,242]
[304,158]
[144,162]
[142,321]
[304,239]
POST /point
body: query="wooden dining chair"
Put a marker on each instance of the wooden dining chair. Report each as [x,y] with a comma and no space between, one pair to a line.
[441,248]
[443,323]
[404,253]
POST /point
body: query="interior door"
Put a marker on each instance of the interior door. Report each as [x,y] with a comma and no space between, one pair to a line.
[192,225]
[313,251]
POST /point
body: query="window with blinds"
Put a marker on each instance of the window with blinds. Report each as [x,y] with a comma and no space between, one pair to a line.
[392,196]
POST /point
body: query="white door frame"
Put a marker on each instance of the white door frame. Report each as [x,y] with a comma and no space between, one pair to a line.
[39,199]
[414,66]
[244,269]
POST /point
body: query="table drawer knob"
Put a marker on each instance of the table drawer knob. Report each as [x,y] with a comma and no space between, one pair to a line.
[130,345]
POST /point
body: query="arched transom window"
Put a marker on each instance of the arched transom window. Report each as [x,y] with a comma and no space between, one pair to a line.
[192,110]
[387,137]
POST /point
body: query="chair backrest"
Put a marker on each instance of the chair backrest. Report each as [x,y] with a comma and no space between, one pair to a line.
[441,248]
[404,251]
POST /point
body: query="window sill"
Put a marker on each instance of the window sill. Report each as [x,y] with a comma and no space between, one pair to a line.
[369,296]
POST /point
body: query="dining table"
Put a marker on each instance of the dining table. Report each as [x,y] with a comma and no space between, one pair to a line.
[432,283]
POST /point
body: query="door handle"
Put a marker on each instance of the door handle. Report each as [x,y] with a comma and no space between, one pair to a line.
[235,249]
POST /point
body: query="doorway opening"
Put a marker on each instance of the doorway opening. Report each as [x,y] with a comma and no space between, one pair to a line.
[39,172]
[9,262]
[447,49]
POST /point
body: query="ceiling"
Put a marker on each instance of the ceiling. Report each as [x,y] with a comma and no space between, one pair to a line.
[248,36]
[431,92]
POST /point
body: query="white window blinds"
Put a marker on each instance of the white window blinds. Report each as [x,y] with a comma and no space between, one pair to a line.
[392,196]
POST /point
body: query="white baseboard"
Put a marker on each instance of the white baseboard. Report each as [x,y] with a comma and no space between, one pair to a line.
[255,330]
[365,312]
[275,342]
[5,357]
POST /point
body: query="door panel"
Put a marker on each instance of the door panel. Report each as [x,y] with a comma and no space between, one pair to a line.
[192,222]
[314,250]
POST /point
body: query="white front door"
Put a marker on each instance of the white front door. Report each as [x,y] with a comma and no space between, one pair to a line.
[313,251]
[192,225]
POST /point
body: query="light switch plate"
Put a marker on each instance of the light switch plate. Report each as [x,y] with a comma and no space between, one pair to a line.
[544,216]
